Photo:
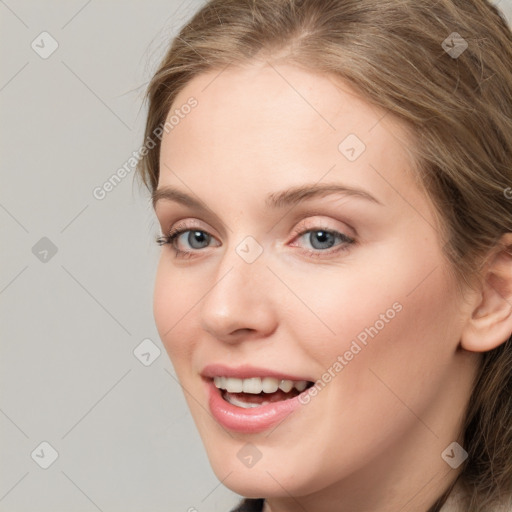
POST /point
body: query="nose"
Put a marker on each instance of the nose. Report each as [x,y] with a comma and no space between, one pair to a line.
[240,302]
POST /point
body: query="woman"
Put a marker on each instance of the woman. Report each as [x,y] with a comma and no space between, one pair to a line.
[332,181]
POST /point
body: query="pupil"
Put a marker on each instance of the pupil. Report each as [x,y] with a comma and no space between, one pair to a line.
[195,235]
[322,236]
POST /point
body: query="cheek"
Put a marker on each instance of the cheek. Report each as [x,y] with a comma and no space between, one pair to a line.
[391,291]
[398,320]
[396,347]
[171,305]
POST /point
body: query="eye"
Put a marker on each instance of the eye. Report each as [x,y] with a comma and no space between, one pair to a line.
[321,239]
[194,235]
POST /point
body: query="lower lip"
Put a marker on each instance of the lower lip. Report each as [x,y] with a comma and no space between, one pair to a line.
[252,420]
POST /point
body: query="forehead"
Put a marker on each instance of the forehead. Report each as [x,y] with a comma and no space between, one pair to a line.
[254,127]
[271,98]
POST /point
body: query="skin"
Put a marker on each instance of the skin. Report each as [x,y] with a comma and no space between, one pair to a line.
[372,439]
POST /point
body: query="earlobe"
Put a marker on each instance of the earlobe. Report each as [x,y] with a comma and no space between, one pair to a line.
[490,323]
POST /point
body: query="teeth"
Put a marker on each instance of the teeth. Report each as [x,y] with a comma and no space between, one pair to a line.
[270,385]
[256,385]
[301,385]
[286,385]
[251,385]
[233,385]
[234,401]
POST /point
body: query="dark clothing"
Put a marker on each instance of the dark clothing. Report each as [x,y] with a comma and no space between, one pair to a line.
[250,505]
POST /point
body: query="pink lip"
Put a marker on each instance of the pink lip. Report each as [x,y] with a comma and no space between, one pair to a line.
[246,372]
[248,421]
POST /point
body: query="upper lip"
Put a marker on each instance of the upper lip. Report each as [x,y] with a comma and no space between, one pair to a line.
[246,372]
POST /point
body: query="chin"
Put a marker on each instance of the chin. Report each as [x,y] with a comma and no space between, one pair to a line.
[265,479]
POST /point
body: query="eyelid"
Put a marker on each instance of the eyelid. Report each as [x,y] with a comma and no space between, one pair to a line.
[190,223]
[305,225]
[312,224]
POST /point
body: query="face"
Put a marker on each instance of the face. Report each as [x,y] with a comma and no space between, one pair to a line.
[346,288]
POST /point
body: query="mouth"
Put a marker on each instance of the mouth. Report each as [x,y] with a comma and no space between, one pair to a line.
[258,391]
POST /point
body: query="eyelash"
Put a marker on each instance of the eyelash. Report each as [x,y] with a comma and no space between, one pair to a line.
[180,229]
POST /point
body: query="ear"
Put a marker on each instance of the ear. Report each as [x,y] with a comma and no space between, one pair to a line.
[490,323]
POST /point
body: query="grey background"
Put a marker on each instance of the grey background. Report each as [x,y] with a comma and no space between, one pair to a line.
[70,321]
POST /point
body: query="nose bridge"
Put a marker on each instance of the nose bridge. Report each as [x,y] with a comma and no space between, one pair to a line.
[242,266]
[239,297]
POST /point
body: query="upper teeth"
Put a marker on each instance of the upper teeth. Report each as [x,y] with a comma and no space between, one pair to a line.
[257,385]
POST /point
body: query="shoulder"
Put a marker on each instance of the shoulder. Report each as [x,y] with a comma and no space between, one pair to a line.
[458,501]
[249,505]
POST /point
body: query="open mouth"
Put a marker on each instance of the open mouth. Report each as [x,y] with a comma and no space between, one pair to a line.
[256,391]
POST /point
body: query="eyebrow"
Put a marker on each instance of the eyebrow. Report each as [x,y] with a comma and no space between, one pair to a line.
[275,200]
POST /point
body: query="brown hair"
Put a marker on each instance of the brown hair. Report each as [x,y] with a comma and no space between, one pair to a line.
[457,107]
